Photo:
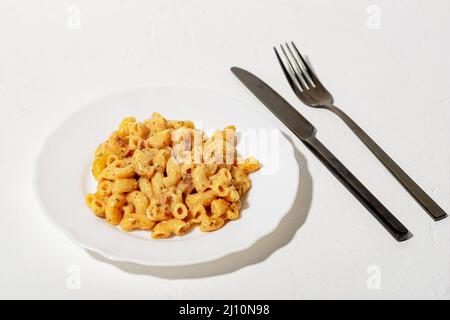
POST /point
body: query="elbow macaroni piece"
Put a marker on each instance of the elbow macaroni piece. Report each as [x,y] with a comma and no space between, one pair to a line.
[233,195]
[114,208]
[160,139]
[142,164]
[166,176]
[158,182]
[209,224]
[98,166]
[139,200]
[219,208]
[145,186]
[133,221]
[124,185]
[200,198]
[248,165]
[179,210]
[233,211]
[118,169]
[104,188]
[200,178]
[166,228]
[173,173]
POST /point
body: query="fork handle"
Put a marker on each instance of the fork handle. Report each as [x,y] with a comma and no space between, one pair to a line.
[428,204]
[378,210]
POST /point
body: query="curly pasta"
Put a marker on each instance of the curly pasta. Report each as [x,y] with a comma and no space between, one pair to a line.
[167,177]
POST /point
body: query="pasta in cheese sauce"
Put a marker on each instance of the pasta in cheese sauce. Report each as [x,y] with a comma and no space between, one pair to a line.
[167,177]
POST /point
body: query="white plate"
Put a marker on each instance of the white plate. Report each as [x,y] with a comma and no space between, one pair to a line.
[63,176]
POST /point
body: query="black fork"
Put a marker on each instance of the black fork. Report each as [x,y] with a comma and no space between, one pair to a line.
[311,92]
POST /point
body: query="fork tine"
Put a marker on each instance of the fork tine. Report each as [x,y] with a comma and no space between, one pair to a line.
[297,76]
[310,73]
[285,71]
[301,66]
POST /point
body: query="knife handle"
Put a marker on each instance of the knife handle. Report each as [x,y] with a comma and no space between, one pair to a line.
[376,208]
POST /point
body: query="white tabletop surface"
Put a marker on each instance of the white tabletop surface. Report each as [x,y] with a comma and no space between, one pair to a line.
[387,64]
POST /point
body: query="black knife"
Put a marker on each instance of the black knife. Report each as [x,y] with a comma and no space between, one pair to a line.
[306,132]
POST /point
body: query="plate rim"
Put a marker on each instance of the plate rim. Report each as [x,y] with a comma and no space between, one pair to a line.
[72,236]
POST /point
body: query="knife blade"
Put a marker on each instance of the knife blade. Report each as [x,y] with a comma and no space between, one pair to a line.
[306,132]
[298,124]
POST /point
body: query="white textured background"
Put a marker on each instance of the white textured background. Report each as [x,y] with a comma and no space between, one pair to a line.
[394,81]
